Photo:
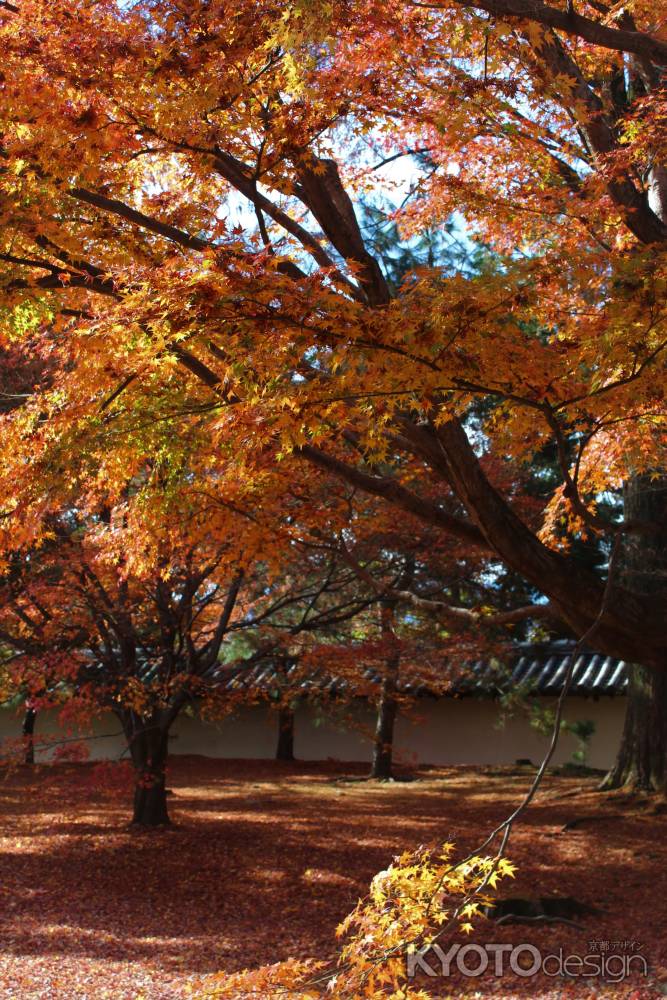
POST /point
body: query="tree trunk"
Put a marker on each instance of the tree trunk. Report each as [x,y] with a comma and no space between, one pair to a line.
[384,729]
[285,748]
[28,733]
[383,747]
[147,741]
[642,757]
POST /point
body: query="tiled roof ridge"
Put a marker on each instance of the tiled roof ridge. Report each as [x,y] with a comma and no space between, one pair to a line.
[540,667]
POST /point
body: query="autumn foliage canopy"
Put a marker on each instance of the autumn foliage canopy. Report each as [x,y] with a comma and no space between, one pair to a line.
[176,345]
[197,330]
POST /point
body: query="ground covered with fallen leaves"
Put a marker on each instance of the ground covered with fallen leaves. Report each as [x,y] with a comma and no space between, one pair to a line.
[266,858]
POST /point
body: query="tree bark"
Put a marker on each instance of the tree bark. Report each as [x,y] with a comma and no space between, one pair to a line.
[147,741]
[382,766]
[632,616]
[28,733]
[285,747]
[383,746]
[641,762]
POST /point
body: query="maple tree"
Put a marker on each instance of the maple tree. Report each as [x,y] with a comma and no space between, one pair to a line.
[144,613]
[144,145]
[365,606]
[84,633]
[264,345]
[126,132]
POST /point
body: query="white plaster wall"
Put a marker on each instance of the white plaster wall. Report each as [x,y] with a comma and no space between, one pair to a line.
[444,731]
[466,731]
[107,739]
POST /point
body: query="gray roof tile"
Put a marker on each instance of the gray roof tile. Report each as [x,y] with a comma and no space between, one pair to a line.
[540,668]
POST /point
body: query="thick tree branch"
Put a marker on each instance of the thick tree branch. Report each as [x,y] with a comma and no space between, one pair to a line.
[119,208]
[640,43]
[240,177]
[212,648]
[389,489]
[555,64]
[324,194]
[632,627]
